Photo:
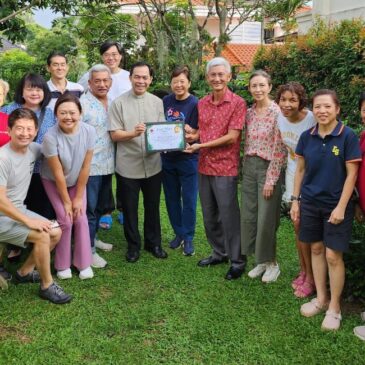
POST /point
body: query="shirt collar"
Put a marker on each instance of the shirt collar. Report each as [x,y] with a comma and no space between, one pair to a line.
[227,97]
[336,131]
[53,87]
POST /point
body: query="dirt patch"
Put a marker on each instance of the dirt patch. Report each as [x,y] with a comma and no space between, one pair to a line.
[13,333]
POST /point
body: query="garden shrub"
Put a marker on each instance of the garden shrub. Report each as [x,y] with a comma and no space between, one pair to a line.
[355,265]
[329,56]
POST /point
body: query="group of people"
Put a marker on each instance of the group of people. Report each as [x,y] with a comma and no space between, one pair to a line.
[71,182]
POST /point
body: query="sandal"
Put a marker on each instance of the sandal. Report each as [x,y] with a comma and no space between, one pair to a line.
[312,308]
[305,290]
[332,321]
[105,222]
[299,280]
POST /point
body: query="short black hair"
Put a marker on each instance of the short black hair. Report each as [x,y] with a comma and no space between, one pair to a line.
[67,97]
[22,113]
[55,54]
[361,99]
[141,64]
[294,88]
[33,80]
[108,44]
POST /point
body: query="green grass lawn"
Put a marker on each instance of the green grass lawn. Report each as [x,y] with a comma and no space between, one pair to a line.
[172,312]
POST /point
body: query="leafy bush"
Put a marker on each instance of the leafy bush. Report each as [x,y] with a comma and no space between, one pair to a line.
[13,65]
[329,56]
[355,265]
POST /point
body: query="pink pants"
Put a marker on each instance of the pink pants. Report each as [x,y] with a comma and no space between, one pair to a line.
[82,249]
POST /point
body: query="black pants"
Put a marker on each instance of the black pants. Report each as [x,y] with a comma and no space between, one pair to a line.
[108,206]
[37,199]
[151,190]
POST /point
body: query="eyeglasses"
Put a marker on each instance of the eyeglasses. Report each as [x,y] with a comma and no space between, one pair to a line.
[111,55]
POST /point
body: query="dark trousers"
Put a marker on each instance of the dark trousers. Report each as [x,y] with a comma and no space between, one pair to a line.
[108,205]
[97,190]
[151,190]
[221,215]
[180,183]
[37,199]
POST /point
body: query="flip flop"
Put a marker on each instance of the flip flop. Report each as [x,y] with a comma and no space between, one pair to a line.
[105,222]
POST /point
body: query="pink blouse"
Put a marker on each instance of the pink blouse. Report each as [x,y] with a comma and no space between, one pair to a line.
[263,139]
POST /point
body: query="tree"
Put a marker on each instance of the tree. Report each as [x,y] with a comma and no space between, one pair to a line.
[14,63]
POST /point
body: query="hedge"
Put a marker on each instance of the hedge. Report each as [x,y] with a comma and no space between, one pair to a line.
[329,56]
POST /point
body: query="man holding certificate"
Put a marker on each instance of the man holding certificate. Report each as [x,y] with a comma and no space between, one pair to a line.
[221,119]
[136,169]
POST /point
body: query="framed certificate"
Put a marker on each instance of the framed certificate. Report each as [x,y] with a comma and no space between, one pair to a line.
[165,136]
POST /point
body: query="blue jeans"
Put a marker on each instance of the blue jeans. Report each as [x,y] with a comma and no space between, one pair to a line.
[180,183]
[97,190]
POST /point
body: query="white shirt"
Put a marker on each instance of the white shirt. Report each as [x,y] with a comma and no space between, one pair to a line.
[290,133]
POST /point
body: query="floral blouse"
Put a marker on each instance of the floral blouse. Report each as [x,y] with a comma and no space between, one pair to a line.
[263,139]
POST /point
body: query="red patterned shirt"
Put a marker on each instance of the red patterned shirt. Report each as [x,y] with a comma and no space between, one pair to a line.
[215,120]
[263,139]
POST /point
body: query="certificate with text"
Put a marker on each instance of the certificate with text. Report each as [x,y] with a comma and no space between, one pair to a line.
[165,136]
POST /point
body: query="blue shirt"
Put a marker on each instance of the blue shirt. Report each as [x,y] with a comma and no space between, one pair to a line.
[49,120]
[95,114]
[181,110]
[325,162]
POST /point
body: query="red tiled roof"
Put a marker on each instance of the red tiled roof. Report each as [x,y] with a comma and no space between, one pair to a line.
[238,54]
[303,9]
[135,2]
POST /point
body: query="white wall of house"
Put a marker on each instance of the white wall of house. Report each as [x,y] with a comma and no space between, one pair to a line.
[331,11]
[245,33]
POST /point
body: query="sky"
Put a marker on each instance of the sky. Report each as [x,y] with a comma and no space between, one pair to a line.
[45,17]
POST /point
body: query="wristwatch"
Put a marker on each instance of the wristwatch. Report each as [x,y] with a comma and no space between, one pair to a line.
[293,197]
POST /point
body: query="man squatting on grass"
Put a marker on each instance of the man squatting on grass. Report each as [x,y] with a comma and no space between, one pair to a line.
[18,225]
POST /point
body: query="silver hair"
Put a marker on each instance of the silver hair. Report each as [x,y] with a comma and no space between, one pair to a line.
[218,61]
[99,68]
[260,73]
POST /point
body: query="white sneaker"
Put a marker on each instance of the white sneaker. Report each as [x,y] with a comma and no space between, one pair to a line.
[86,273]
[64,274]
[257,271]
[98,262]
[103,245]
[271,274]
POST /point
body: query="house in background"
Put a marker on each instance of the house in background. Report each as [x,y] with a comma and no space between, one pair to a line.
[330,11]
[245,40]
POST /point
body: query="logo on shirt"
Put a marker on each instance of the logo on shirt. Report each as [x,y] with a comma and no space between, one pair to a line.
[174,115]
[335,150]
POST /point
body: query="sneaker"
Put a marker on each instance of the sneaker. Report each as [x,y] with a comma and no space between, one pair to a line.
[120,218]
[55,294]
[64,274]
[103,245]
[32,277]
[188,249]
[257,271]
[176,242]
[271,274]
[98,262]
[86,273]
[359,331]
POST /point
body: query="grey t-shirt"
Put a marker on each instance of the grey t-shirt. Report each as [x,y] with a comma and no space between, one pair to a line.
[16,170]
[71,150]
